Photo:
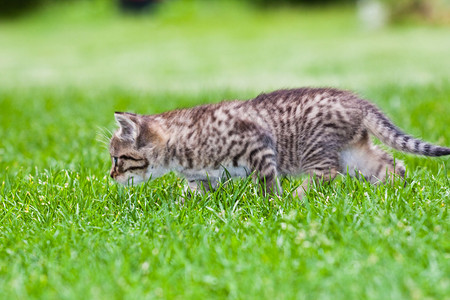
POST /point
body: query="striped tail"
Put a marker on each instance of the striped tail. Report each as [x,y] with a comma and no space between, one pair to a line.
[381,127]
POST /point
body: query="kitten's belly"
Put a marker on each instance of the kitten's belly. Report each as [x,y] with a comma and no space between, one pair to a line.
[222,172]
[354,159]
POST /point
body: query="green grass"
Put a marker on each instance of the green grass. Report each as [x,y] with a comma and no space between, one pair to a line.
[68,232]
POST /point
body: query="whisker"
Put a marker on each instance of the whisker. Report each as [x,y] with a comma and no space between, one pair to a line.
[103,136]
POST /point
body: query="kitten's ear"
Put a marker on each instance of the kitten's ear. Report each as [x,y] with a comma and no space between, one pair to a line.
[129,129]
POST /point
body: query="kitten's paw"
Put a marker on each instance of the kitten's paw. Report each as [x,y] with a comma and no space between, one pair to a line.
[299,192]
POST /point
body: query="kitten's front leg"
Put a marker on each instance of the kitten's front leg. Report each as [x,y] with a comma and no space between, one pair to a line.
[319,177]
[201,186]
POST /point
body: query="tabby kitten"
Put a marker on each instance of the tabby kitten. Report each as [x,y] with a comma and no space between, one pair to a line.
[318,131]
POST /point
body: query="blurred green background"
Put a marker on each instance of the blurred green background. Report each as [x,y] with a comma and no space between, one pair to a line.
[198,45]
[68,65]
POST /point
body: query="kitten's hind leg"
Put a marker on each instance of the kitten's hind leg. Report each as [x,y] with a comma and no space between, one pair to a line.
[371,162]
[321,164]
[387,169]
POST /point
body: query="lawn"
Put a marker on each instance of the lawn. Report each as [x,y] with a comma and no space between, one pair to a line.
[68,232]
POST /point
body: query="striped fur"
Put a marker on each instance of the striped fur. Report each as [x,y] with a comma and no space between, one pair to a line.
[321,132]
[388,133]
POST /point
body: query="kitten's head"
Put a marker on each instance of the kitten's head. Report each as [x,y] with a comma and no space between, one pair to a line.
[135,149]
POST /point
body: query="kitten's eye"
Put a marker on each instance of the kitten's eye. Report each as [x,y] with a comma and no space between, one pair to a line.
[115,160]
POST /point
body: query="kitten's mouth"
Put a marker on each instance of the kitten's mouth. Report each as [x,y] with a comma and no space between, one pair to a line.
[135,180]
[128,181]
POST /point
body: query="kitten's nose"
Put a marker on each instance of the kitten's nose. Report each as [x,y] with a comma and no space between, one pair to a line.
[111,174]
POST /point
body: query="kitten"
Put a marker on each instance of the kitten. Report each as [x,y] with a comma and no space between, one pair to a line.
[318,131]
